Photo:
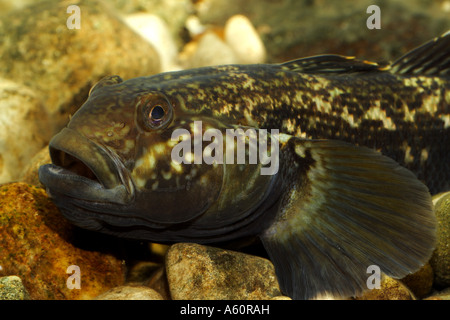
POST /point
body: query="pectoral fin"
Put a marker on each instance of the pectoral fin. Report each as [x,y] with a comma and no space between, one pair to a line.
[347,208]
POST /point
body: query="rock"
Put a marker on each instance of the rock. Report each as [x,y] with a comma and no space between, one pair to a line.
[23,128]
[173,12]
[440,260]
[151,275]
[11,288]
[36,246]
[130,293]
[281,298]
[420,282]
[30,172]
[158,282]
[210,50]
[207,273]
[60,64]
[390,289]
[439,295]
[237,42]
[140,271]
[243,39]
[156,32]
[194,27]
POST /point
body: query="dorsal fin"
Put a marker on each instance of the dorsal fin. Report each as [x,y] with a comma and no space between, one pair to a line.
[106,81]
[432,59]
[332,63]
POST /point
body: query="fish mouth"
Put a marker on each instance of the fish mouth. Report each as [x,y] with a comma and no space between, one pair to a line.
[85,170]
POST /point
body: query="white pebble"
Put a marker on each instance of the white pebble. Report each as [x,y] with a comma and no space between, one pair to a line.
[211,50]
[155,30]
[194,26]
[243,39]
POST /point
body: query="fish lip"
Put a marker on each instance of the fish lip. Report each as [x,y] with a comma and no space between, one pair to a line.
[112,182]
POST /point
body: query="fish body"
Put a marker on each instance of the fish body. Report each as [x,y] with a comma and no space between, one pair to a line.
[335,204]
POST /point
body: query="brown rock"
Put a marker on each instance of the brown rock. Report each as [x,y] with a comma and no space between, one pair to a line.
[201,272]
[149,274]
[440,295]
[130,293]
[440,260]
[390,289]
[158,282]
[61,64]
[420,282]
[140,271]
[35,245]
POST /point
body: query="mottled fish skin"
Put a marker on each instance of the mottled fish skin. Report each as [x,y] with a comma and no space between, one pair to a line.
[405,117]
[334,207]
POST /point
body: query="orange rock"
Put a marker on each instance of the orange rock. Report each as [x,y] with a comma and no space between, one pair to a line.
[35,245]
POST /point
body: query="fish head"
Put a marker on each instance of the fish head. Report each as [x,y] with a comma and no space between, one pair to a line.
[118,168]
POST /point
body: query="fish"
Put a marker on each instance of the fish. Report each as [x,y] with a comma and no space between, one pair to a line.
[359,148]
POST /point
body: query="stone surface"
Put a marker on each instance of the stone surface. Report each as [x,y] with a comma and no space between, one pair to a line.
[439,295]
[158,282]
[235,42]
[420,282]
[139,272]
[207,273]
[210,50]
[11,288]
[35,244]
[130,293]
[157,33]
[440,261]
[23,128]
[61,64]
[173,12]
[242,38]
[30,172]
[390,289]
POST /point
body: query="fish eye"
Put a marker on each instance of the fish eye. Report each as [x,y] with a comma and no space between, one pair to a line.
[157,113]
[154,112]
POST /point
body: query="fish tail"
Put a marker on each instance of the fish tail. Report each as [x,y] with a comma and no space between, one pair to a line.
[346,209]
